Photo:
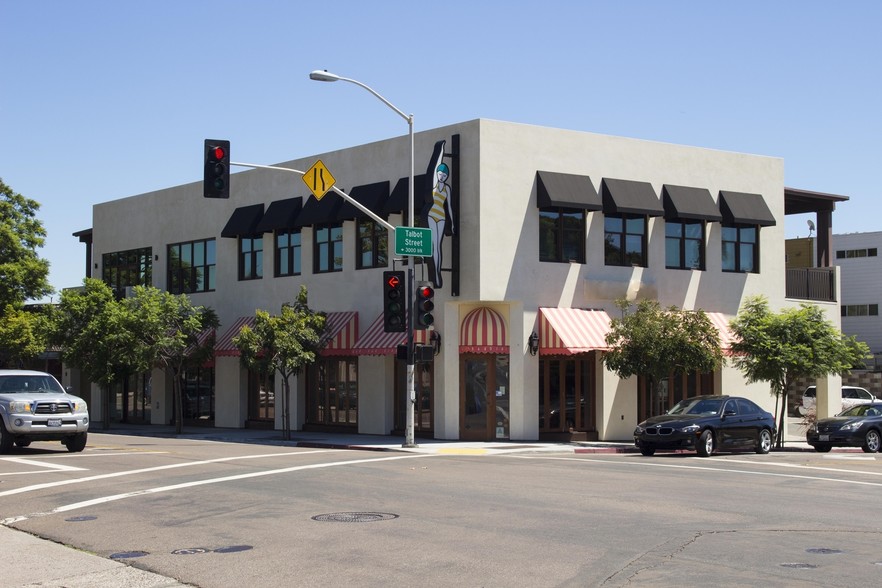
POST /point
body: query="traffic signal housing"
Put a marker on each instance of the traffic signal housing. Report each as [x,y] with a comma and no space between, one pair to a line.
[424,305]
[217,169]
[394,302]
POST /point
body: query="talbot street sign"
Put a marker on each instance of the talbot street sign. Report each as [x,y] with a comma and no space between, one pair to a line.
[414,241]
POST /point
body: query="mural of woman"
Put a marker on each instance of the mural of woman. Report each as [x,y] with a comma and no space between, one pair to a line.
[440,213]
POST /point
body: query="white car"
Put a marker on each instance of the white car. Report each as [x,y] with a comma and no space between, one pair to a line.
[851,396]
[35,407]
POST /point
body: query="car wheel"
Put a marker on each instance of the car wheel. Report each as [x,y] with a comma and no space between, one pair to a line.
[765,442]
[76,443]
[647,451]
[872,441]
[5,438]
[705,444]
[823,448]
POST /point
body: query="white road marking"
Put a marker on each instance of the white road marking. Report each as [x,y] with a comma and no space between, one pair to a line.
[47,466]
[106,499]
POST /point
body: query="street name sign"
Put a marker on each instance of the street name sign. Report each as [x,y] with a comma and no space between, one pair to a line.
[415,241]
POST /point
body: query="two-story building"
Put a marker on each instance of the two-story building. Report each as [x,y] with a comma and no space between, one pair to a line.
[536,233]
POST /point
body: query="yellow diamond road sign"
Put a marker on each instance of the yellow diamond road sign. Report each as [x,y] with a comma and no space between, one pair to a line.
[318,179]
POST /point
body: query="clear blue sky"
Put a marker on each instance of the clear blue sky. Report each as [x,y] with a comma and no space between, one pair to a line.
[104,99]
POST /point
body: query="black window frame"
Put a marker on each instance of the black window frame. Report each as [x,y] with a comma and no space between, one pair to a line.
[683,239]
[290,253]
[566,238]
[617,255]
[133,267]
[194,278]
[371,241]
[332,247]
[739,243]
[250,260]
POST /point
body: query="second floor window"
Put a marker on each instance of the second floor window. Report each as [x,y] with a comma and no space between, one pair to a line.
[191,267]
[684,244]
[372,244]
[561,235]
[250,258]
[328,248]
[625,239]
[288,249]
[127,268]
[740,248]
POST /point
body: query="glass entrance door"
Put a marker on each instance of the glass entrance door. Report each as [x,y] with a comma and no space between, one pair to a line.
[484,397]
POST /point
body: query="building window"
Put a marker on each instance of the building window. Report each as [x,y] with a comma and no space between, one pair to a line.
[250,258]
[740,250]
[332,393]
[859,310]
[197,390]
[327,248]
[625,239]
[852,253]
[261,394]
[566,395]
[669,391]
[288,249]
[562,235]
[191,267]
[123,269]
[372,244]
[684,244]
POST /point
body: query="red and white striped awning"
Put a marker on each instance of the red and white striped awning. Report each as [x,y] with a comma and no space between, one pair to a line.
[375,341]
[341,331]
[224,345]
[721,322]
[568,331]
[483,331]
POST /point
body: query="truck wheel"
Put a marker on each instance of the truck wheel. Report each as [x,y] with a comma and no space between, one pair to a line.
[76,443]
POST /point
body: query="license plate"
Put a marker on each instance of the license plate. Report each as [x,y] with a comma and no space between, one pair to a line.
[823,437]
[53,423]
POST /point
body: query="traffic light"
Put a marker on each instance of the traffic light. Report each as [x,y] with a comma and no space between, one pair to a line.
[394,303]
[424,305]
[217,169]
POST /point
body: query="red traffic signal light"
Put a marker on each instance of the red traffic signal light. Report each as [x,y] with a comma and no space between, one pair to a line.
[216,183]
[424,306]
[394,303]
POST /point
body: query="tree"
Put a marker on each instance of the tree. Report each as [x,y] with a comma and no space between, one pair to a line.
[94,332]
[795,343]
[23,276]
[285,343]
[168,329]
[654,342]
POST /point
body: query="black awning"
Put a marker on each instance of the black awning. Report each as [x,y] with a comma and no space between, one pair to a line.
[243,222]
[320,212]
[629,197]
[397,201]
[371,196]
[745,209]
[281,214]
[566,191]
[689,203]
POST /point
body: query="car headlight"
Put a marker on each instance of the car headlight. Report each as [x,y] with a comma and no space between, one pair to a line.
[852,426]
[690,429]
[639,430]
[19,406]
[80,406]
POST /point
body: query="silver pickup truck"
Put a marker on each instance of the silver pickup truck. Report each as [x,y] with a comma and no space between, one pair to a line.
[35,407]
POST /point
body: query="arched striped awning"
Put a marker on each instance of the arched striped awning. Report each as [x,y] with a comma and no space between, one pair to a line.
[568,331]
[341,331]
[721,322]
[224,345]
[483,331]
[375,341]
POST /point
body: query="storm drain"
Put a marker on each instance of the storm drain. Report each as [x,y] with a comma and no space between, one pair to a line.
[198,550]
[799,566]
[128,554]
[823,551]
[354,517]
[80,519]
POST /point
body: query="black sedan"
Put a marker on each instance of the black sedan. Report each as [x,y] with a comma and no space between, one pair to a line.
[708,424]
[859,426]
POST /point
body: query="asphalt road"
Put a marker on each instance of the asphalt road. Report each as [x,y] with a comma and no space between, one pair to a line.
[216,514]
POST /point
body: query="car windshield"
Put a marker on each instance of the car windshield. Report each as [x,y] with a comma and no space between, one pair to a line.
[863,410]
[697,406]
[29,384]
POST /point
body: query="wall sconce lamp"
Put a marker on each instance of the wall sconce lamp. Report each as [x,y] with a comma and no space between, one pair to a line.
[435,339]
[533,342]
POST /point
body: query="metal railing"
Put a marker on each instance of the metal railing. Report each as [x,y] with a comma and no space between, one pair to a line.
[811,283]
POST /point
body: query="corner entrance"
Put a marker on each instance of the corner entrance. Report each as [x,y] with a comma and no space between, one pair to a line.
[484,397]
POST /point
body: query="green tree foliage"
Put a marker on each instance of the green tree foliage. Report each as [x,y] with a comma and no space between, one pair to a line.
[654,342]
[286,343]
[169,331]
[23,335]
[794,343]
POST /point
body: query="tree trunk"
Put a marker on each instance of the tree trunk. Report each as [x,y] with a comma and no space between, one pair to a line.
[178,395]
[286,413]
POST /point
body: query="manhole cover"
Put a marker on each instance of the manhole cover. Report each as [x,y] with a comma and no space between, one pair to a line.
[81,519]
[799,566]
[233,549]
[128,554]
[355,517]
[823,550]
[190,551]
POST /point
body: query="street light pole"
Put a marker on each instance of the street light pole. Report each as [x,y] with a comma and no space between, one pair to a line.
[326,76]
